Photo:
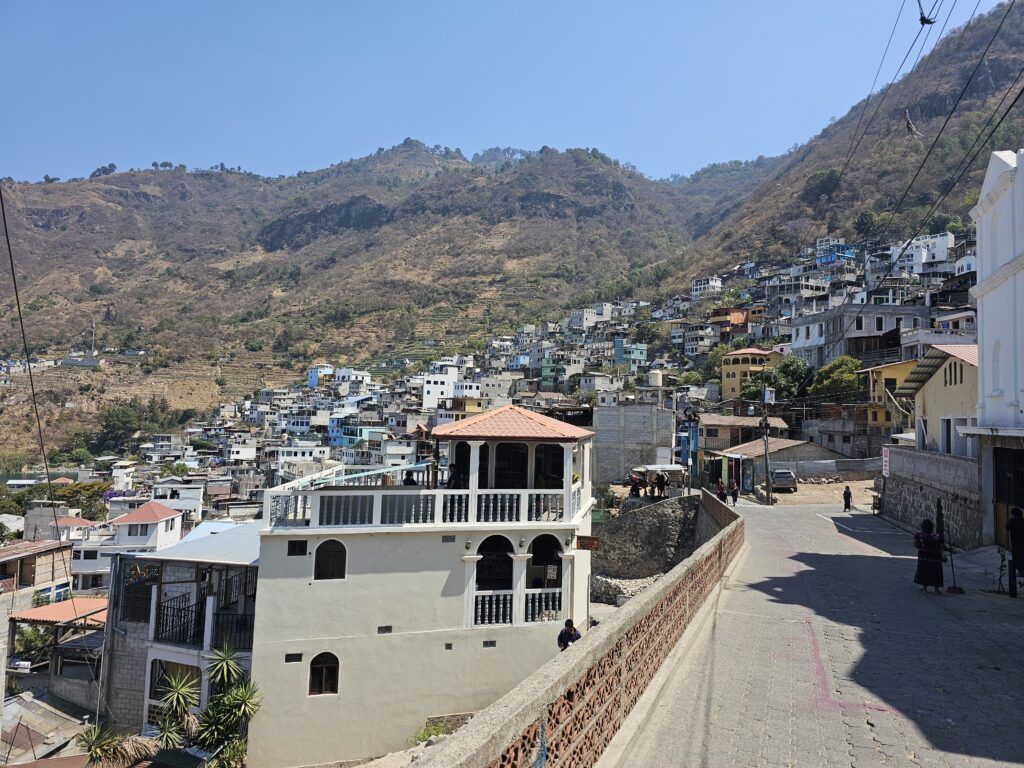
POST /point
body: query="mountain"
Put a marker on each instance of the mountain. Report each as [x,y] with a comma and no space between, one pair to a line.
[789,206]
[408,243]
[372,257]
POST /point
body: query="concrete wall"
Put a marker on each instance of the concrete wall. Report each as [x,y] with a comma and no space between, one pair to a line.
[576,702]
[125,677]
[628,435]
[917,478]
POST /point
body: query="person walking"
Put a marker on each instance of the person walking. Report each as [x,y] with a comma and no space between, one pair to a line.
[659,482]
[734,491]
[720,491]
[568,636]
[929,557]
[847,499]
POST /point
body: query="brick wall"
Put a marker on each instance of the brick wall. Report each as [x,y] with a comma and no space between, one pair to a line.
[917,478]
[125,657]
[574,704]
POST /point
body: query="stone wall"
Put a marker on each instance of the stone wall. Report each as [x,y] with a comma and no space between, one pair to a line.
[573,705]
[644,541]
[917,478]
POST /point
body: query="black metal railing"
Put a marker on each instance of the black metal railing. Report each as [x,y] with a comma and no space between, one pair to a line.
[179,622]
[233,629]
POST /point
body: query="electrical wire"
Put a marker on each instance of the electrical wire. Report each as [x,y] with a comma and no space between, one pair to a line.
[35,402]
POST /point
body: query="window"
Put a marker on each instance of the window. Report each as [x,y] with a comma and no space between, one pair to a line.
[323,673]
[859,324]
[711,432]
[169,524]
[144,529]
[297,548]
[330,561]
[89,554]
[133,529]
[879,323]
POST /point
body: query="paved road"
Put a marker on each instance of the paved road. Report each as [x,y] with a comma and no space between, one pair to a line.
[822,652]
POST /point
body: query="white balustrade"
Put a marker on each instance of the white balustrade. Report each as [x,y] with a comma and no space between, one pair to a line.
[543,605]
[410,506]
[493,607]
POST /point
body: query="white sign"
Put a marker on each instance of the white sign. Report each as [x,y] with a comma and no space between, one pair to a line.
[552,574]
[885,461]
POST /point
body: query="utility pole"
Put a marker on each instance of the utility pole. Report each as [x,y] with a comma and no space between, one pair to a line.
[764,426]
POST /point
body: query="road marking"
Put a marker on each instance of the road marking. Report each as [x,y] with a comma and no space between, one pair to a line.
[859,530]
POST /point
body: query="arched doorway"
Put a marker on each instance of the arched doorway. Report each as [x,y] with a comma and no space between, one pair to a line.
[544,579]
[493,598]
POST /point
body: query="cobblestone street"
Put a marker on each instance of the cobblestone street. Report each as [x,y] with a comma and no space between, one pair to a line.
[821,651]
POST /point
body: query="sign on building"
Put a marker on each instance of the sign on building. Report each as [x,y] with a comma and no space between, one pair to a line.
[588,542]
[885,461]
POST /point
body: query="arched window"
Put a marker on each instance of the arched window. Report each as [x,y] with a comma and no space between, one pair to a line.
[330,560]
[323,674]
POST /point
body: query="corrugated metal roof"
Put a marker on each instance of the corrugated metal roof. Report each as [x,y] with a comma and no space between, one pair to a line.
[511,422]
[719,420]
[91,611]
[931,362]
[238,545]
[26,548]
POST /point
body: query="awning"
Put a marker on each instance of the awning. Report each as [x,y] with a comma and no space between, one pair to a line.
[991,431]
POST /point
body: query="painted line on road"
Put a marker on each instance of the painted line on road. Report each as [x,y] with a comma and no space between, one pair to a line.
[859,530]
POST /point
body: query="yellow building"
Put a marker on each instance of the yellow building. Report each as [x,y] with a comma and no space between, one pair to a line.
[944,385]
[883,381]
[744,364]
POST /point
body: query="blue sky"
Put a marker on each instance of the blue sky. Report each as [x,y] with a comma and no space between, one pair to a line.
[278,87]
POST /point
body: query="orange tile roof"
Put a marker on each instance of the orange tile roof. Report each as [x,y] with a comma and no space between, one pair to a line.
[71,522]
[511,422]
[91,611]
[150,512]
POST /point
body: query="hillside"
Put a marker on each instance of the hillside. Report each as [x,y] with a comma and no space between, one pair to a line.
[789,205]
[372,257]
[405,243]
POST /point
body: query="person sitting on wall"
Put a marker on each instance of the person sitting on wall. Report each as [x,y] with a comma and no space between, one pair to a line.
[568,636]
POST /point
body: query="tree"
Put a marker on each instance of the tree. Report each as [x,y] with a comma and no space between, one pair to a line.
[838,382]
[178,469]
[818,184]
[103,170]
[9,506]
[12,462]
[788,379]
[865,224]
[692,378]
[47,179]
[945,222]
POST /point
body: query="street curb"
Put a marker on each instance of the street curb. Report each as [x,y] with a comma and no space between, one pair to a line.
[621,746]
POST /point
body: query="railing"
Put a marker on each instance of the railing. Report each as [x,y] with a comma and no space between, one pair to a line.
[543,605]
[180,623]
[409,506]
[233,629]
[493,607]
[497,507]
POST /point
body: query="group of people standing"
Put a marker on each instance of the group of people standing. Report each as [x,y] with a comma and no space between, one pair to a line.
[655,488]
[724,494]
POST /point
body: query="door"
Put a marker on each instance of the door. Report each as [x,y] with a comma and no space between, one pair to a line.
[1009,487]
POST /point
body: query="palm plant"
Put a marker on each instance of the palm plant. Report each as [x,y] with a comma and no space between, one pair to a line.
[109,749]
[179,694]
[223,670]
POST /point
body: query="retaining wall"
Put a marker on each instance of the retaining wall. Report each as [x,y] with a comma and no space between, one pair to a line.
[917,478]
[572,706]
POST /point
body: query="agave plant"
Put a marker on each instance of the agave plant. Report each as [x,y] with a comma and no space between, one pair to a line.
[243,700]
[223,670]
[180,694]
[232,755]
[169,734]
[135,749]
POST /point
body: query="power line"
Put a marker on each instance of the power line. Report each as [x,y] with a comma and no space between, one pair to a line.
[35,402]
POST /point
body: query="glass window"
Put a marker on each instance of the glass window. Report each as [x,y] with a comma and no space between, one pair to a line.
[297,548]
[323,673]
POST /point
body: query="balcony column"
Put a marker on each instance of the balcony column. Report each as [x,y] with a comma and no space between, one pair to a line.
[567,478]
[492,452]
[210,609]
[519,561]
[531,464]
[474,477]
[154,593]
[568,558]
[469,590]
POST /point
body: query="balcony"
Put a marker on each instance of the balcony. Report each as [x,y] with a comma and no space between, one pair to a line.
[408,507]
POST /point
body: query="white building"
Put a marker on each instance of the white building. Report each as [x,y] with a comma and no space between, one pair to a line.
[705,286]
[999,217]
[183,494]
[380,606]
[439,386]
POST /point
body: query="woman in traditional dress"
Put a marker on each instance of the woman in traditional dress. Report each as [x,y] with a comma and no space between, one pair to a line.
[929,557]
